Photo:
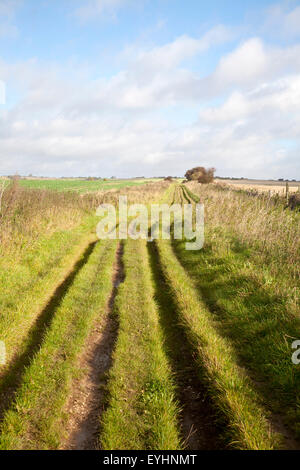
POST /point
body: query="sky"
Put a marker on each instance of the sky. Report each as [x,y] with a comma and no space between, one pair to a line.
[150,87]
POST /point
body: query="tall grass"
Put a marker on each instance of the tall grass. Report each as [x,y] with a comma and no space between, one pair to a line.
[272,230]
[247,425]
[29,214]
[145,194]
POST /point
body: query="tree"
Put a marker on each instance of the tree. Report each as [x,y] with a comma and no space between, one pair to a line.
[201,174]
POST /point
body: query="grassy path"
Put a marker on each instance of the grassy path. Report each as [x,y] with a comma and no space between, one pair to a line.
[35,419]
[142,412]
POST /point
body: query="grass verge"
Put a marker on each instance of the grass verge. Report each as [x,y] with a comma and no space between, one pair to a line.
[252,309]
[229,386]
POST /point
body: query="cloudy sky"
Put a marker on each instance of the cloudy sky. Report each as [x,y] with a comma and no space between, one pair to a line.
[150,87]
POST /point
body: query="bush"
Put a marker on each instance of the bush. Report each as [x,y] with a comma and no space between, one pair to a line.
[201,174]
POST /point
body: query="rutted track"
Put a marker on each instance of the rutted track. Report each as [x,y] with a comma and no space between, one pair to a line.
[88,399]
[142,413]
[20,312]
[197,418]
[13,377]
[35,420]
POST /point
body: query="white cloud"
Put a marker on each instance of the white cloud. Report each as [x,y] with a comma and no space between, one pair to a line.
[251,132]
[182,48]
[68,125]
[245,64]
[249,65]
[284,22]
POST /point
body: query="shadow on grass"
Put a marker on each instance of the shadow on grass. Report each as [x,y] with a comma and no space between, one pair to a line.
[199,428]
[91,390]
[256,322]
[13,376]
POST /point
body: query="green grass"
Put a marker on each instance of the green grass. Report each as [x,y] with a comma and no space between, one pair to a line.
[199,425]
[82,186]
[250,308]
[232,391]
[35,420]
[142,412]
[188,195]
[29,283]
[229,386]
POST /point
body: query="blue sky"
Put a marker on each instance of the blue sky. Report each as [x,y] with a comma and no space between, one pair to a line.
[140,87]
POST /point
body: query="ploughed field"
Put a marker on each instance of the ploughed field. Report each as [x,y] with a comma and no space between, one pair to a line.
[136,344]
[263,186]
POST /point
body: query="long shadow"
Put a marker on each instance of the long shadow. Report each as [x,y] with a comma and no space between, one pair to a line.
[258,326]
[12,379]
[200,425]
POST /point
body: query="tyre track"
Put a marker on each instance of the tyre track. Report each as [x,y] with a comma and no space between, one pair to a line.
[198,422]
[13,377]
[88,398]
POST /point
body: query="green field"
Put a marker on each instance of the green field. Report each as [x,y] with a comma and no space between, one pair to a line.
[80,185]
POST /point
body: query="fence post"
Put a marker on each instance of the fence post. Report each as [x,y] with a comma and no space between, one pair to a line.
[287,193]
